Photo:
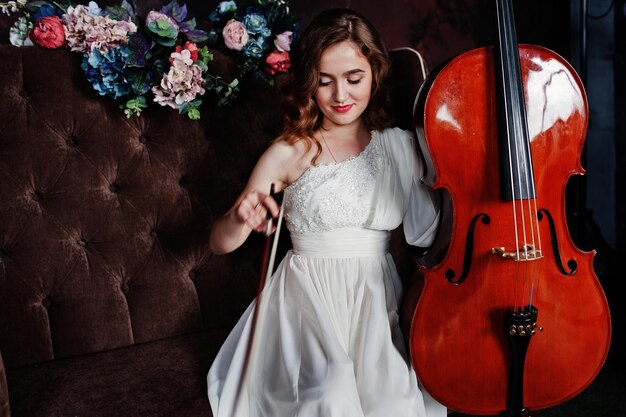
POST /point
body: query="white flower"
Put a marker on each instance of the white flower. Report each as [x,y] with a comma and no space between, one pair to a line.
[18,34]
[12,6]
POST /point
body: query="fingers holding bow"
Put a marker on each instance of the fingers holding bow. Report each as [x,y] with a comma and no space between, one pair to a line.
[255,209]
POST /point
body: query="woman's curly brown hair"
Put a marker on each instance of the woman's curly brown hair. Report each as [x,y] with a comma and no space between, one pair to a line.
[302,115]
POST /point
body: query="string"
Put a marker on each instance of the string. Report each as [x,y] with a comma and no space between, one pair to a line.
[529,216]
[526,158]
[539,243]
[507,118]
[526,222]
[521,161]
[531,194]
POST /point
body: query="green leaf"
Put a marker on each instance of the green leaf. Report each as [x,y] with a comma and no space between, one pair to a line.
[133,107]
[193,113]
[205,55]
[202,65]
[164,32]
[124,11]
[163,24]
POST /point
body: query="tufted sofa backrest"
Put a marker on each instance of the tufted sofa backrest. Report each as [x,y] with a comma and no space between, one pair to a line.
[104,220]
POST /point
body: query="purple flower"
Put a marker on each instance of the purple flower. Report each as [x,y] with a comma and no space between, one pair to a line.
[283,41]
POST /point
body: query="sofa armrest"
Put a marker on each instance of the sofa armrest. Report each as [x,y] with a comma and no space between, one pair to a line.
[4,392]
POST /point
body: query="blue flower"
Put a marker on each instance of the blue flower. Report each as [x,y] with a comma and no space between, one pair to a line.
[105,71]
[266,33]
[44,11]
[254,48]
[254,23]
[95,10]
[227,7]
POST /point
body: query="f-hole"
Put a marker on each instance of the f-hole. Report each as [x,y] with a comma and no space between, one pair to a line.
[554,241]
[469,250]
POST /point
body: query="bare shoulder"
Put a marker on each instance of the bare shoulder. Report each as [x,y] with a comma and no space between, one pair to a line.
[293,159]
[281,151]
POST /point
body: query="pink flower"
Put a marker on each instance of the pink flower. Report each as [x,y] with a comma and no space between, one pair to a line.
[235,35]
[182,84]
[283,41]
[154,16]
[277,61]
[84,31]
[48,32]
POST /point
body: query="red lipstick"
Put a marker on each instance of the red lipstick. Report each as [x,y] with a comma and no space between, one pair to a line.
[342,109]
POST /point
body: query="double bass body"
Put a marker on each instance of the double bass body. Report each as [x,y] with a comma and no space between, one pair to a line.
[459,339]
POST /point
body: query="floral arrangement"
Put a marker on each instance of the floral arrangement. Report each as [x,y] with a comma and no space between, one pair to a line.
[260,34]
[162,56]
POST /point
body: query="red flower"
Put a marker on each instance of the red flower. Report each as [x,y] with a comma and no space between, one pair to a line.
[277,62]
[48,32]
[191,47]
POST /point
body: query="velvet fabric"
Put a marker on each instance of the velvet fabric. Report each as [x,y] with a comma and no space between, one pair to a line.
[111,303]
[4,392]
[161,378]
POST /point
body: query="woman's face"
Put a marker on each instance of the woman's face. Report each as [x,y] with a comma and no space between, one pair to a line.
[345,85]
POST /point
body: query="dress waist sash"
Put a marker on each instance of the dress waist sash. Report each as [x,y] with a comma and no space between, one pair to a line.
[341,243]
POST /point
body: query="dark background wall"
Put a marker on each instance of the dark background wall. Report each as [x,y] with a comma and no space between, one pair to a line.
[591,35]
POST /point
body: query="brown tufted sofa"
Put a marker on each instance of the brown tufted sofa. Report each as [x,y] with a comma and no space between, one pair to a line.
[111,303]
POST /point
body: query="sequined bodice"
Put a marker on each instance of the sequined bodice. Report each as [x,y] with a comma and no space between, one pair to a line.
[335,195]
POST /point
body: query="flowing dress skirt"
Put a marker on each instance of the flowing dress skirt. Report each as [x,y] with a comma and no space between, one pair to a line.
[328,342]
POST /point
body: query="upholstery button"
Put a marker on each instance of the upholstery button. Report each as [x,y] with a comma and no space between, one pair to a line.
[81,242]
[143,139]
[125,288]
[193,274]
[114,188]
[183,182]
[71,142]
[46,302]
[153,233]
[37,195]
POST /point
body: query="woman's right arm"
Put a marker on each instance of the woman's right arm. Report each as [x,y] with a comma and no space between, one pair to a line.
[250,210]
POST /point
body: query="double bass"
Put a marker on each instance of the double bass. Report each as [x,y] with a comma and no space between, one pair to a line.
[511,318]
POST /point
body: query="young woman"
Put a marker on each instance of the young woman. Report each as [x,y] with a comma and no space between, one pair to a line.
[328,343]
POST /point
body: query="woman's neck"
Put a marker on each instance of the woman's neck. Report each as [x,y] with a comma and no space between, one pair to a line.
[343,141]
[352,132]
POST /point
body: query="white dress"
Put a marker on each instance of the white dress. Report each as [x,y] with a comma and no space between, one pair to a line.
[327,341]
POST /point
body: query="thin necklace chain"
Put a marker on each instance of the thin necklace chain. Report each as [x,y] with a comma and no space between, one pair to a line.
[327,147]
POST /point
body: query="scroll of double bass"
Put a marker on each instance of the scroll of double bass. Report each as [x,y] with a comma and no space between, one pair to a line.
[512,317]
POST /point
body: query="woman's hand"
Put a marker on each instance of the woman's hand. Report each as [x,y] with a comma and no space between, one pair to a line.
[250,211]
[253,211]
